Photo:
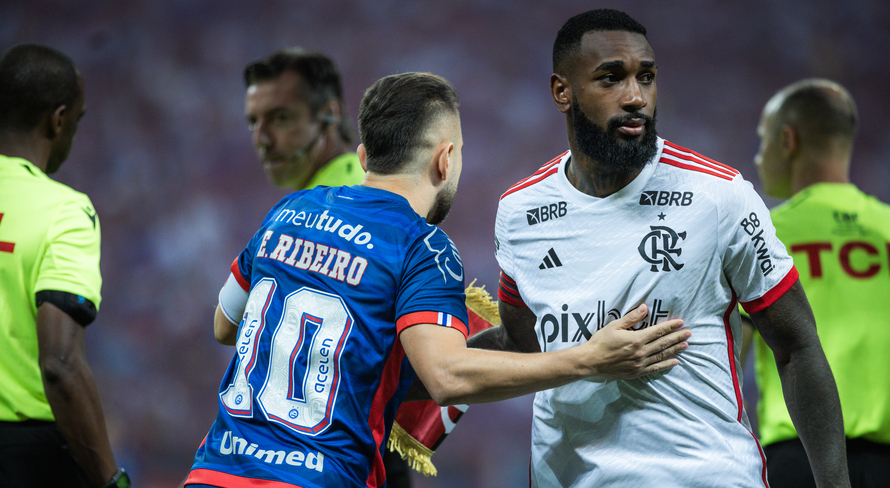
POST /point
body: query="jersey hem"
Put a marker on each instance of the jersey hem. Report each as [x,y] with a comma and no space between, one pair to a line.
[226,480]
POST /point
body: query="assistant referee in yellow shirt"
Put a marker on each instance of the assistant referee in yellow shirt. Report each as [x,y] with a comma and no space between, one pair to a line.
[52,429]
[839,238]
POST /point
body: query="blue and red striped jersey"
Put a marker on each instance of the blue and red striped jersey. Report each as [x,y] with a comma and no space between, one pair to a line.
[333,274]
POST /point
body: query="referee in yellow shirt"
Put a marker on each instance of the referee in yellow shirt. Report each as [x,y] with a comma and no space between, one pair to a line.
[839,238]
[52,429]
[296,115]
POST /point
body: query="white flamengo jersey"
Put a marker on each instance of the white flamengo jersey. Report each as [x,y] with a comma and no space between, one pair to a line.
[690,238]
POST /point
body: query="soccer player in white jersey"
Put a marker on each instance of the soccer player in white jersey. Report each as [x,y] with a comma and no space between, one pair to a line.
[625,218]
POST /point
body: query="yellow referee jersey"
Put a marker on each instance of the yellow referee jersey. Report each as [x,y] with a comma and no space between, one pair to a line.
[341,171]
[839,238]
[49,240]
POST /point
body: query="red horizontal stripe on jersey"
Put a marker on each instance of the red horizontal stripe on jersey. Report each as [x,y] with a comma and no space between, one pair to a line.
[704,167]
[415,318]
[694,168]
[509,292]
[504,297]
[215,478]
[689,155]
[718,163]
[542,173]
[774,294]
[510,282]
[236,272]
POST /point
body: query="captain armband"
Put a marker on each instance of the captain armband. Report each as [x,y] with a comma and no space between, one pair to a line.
[82,310]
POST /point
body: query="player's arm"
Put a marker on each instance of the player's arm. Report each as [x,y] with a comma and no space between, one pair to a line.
[516,332]
[224,330]
[72,393]
[789,329]
[232,302]
[455,374]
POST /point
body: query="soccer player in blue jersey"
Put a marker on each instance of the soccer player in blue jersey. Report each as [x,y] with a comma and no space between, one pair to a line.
[344,292]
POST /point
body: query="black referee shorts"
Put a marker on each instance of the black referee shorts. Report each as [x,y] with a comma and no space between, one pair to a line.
[33,454]
[787,465]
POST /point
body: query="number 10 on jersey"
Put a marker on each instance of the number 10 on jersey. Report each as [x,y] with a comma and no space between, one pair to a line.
[299,389]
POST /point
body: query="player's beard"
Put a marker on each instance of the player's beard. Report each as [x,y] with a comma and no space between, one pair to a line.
[442,205]
[624,156]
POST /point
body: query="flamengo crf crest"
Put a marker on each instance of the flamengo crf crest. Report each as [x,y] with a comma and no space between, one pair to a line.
[660,247]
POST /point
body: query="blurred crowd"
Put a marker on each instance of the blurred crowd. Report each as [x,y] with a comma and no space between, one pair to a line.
[165,156]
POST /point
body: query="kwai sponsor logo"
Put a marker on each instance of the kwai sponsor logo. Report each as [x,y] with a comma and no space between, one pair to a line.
[751,224]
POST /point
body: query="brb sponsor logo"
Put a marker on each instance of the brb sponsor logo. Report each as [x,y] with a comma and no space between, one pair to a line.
[575,327]
[231,445]
[659,247]
[666,198]
[545,213]
[751,225]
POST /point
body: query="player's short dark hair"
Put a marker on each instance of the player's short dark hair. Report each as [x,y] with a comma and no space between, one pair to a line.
[819,110]
[395,113]
[568,39]
[34,79]
[321,79]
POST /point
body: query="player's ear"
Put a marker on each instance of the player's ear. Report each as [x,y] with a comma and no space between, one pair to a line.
[561,91]
[789,140]
[362,156]
[56,121]
[444,160]
[331,112]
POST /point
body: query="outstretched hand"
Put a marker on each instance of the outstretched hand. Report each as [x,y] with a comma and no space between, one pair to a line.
[619,352]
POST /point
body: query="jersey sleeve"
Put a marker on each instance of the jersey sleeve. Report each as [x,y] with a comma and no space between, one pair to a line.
[432,289]
[755,260]
[508,291]
[70,262]
[233,296]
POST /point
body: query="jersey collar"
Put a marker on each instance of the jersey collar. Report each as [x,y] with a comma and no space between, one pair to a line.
[629,192]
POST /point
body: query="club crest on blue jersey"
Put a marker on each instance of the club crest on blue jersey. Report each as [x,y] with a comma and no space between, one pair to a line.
[443,254]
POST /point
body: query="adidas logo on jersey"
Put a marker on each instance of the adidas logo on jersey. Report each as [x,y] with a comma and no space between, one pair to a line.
[546,212]
[666,198]
[551,260]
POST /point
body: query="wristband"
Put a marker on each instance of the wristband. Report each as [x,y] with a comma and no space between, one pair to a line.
[120,480]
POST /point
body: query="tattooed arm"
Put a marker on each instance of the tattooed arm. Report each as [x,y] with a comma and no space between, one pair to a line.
[789,329]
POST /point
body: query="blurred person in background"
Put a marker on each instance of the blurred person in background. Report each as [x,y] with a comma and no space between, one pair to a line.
[296,114]
[839,238]
[52,428]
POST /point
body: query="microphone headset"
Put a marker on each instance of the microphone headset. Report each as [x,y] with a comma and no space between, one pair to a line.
[326,119]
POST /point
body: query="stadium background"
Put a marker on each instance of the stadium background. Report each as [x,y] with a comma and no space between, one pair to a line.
[165,155]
